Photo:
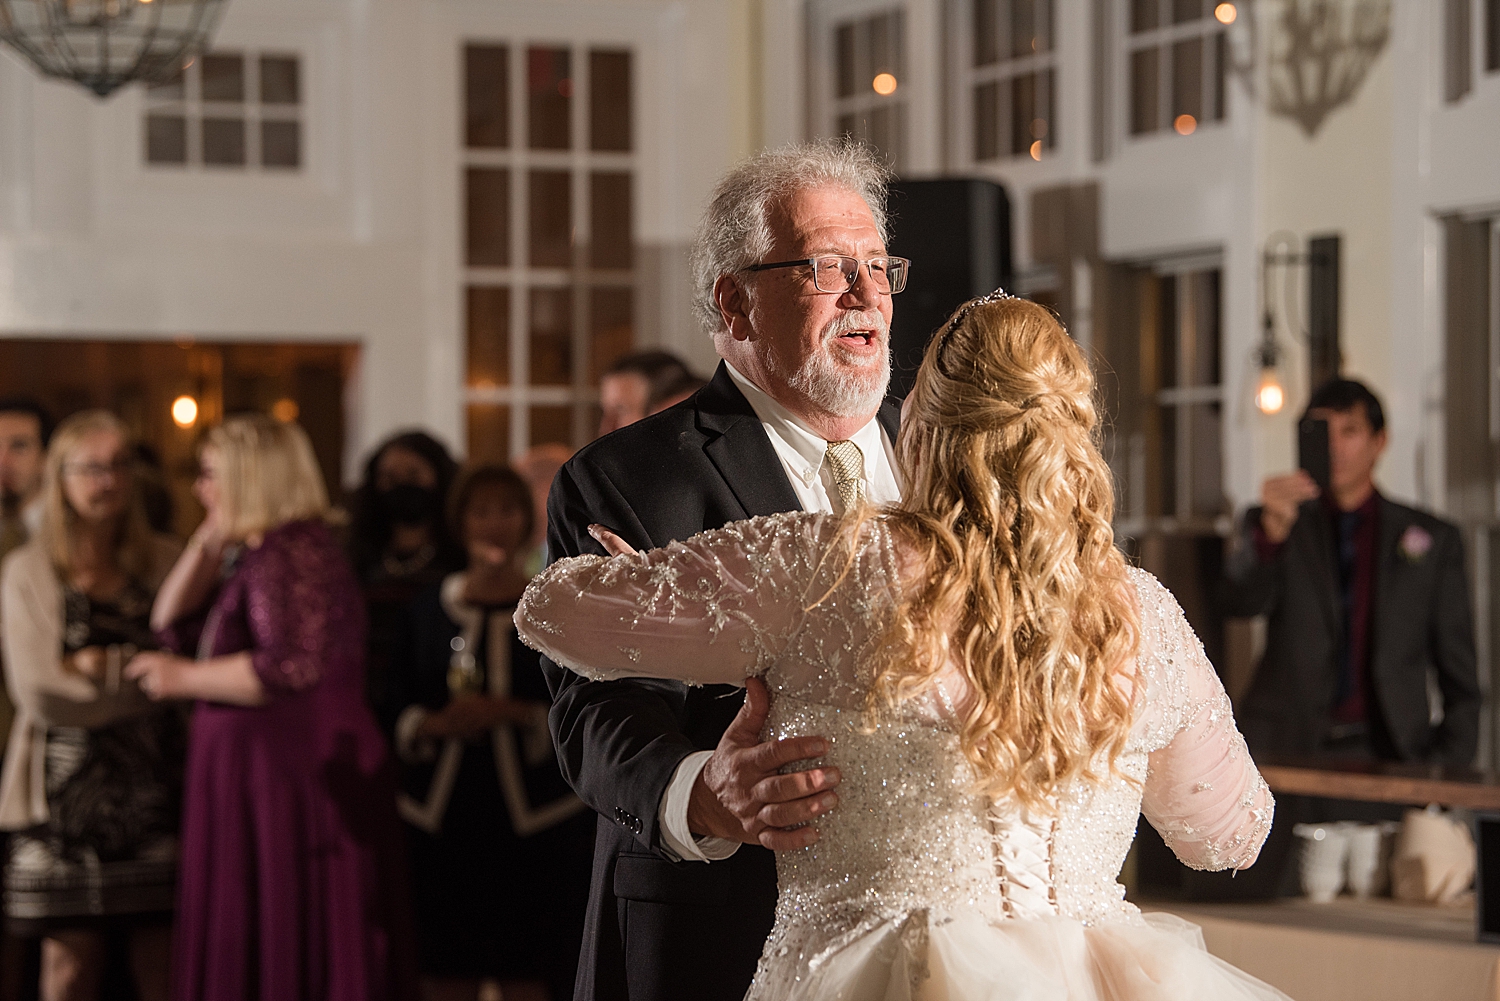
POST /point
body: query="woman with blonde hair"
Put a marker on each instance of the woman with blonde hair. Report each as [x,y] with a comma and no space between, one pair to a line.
[1002,694]
[93,771]
[291,878]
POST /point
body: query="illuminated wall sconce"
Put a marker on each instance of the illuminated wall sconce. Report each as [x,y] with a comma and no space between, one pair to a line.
[1270,390]
[884,84]
[184,411]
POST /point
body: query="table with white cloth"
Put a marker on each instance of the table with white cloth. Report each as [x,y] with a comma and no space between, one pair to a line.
[1352,950]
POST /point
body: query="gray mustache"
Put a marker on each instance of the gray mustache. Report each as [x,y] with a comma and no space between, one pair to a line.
[845,322]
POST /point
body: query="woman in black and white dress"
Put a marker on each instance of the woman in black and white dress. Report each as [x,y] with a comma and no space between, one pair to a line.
[501,847]
[93,773]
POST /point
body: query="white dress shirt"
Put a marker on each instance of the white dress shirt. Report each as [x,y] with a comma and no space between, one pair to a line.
[802,453]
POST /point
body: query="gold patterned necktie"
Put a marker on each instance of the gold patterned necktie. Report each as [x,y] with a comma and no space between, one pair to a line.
[848,465]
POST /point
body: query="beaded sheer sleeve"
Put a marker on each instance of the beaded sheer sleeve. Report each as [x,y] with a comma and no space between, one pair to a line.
[1202,793]
[714,609]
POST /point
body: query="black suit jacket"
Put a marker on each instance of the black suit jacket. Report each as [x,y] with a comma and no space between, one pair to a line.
[1421,622]
[657,928]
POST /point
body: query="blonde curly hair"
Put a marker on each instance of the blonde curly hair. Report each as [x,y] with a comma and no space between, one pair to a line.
[1006,515]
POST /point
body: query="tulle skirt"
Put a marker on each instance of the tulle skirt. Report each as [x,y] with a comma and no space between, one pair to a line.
[965,957]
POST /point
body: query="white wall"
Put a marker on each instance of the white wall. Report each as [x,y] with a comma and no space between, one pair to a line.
[1339,181]
[1161,196]
[364,243]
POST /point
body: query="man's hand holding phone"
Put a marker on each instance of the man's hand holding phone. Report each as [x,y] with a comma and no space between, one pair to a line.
[1280,497]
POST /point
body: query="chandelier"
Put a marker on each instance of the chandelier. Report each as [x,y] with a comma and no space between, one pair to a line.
[105,44]
[1317,57]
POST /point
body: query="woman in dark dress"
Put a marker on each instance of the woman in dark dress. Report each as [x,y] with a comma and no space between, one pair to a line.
[501,849]
[400,544]
[93,774]
[291,882]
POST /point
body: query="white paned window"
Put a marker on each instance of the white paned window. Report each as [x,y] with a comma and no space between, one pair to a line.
[1012,67]
[1471,37]
[548,168]
[868,69]
[1170,465]
[1176,55]
[228,110]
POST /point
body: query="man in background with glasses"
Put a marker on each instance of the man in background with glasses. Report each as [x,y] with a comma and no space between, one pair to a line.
[795,286]
[24,427]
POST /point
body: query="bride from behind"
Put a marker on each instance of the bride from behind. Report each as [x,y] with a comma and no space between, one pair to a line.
[1001,692]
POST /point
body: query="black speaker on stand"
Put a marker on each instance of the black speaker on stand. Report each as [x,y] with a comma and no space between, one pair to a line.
[956,232]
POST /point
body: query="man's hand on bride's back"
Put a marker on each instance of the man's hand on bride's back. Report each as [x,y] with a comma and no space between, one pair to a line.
[741,795]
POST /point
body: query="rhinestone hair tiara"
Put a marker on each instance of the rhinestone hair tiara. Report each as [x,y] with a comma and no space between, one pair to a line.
[996,296]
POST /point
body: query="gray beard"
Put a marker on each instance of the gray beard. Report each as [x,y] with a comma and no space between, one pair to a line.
[842,390]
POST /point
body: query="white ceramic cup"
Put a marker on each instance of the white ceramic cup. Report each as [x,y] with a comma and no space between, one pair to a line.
[1364,858]
[1389,830]
[1325,848]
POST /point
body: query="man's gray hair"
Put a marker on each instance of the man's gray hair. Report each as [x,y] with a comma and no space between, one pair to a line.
[736,229]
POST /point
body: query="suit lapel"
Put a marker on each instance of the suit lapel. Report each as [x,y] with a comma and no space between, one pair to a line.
[1393,523]
[739,449]
[889,417]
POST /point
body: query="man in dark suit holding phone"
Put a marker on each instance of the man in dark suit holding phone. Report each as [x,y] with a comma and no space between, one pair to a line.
[1367,599]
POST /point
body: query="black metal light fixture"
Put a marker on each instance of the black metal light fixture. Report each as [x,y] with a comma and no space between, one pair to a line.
[105,44]
[1271,389]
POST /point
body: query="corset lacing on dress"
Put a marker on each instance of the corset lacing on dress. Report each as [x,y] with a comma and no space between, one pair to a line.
[1023,864]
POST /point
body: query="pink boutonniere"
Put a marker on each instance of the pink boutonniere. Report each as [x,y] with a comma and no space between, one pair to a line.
[1415,543]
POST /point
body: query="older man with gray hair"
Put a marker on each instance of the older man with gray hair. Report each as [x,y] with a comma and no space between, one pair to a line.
[794,283]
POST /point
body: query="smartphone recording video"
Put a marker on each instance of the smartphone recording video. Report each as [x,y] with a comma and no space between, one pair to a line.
[1312,450]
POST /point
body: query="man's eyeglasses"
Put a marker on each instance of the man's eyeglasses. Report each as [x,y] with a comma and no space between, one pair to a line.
[835,273]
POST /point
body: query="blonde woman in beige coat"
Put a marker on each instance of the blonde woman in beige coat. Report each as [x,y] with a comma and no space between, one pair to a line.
[91,782]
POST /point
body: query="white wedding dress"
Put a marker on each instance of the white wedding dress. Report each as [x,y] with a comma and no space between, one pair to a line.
[917,887]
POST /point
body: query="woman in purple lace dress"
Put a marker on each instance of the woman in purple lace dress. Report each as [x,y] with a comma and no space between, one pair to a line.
[291,866]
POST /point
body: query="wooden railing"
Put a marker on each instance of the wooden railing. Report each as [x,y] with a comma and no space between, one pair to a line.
[1383,782]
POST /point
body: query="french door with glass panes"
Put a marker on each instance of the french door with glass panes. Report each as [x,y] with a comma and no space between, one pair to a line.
[1008,77]
[548,168]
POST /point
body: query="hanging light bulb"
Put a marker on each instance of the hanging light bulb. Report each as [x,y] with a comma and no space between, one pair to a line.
[1269,396]
[1270,393]
[184,411]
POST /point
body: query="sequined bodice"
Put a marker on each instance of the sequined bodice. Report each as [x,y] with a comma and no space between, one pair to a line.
[910,836]
[908,832]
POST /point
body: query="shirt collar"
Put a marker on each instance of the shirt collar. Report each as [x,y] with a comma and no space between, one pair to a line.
[810,446]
